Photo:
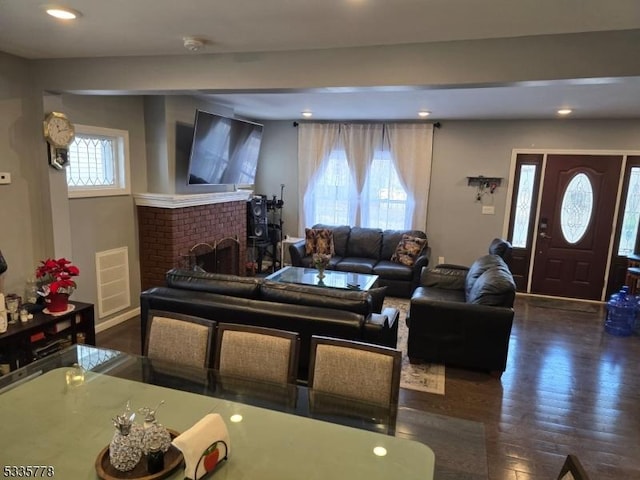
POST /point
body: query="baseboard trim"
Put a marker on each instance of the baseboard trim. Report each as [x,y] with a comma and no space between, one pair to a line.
[117,320]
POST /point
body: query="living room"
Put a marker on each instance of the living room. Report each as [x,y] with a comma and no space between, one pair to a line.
[148,95]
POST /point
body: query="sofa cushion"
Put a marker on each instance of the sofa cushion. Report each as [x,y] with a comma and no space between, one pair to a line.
[449,277]
[502,248]
[365,243]
[478,267]
[347,300]
[391,239]
[392,270]
[409,249]
[231,285]
[377,298]
[318,240]
[357,265]
[340,237]
[494,287]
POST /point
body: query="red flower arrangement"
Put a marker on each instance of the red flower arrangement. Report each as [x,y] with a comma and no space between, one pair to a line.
[54,276]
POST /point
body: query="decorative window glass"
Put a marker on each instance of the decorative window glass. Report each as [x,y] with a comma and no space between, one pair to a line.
[98,162]
[577,208]
[523,206]
[386,204]
[631,216]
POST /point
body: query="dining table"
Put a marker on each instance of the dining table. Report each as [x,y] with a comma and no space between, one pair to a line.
[56,415]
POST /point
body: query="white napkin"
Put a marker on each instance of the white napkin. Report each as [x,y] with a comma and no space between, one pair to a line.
[204,445]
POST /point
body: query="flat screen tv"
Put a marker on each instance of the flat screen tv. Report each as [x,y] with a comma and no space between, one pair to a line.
[224,150]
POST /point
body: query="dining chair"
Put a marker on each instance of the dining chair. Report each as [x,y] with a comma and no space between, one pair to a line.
[180,339]
[264,354]
[365,373]
[572,469]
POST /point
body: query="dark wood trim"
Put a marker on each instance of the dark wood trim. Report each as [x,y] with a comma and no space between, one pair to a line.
[521,257]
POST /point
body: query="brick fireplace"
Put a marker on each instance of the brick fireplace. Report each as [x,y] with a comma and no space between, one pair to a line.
[169,226]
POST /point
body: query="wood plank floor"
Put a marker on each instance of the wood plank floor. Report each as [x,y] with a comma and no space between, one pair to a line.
[569,388]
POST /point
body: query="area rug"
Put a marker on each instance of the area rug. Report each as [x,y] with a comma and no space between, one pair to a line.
[562,304]
[424,377]
[458,445]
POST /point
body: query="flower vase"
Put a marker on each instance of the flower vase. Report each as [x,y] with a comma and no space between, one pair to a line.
[320,273]
[57,302]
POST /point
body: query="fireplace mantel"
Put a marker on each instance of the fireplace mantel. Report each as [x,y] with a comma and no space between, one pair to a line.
[164,200]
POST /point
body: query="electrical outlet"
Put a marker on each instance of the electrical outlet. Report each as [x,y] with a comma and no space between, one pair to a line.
[440,260]
[5,178]
[488,210]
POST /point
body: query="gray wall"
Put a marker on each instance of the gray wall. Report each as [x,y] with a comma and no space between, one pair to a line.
[104,223]
[278,164]
[25,228]
[456,227]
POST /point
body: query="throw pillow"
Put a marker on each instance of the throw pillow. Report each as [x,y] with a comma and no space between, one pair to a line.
[408,250]
[318,240]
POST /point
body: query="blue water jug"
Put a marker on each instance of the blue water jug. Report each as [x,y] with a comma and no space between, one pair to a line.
[622,309]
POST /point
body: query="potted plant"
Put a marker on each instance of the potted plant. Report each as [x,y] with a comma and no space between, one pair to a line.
[55,282]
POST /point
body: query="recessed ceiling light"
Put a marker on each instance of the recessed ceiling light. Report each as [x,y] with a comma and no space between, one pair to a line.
[424,113]
[564,111]
[307,114]
[63,13]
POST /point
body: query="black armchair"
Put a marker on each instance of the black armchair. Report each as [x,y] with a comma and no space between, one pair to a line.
[463,316]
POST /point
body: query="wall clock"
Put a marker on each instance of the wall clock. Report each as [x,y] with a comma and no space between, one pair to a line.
[59,133]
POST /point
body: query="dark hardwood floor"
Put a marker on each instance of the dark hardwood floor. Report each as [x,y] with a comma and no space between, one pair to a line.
[569,388]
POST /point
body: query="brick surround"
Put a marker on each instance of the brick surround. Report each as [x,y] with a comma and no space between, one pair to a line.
[167,234]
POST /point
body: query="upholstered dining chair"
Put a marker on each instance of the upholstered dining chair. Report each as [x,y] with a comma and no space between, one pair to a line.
[259,353]
[180,339]
[346,369]
[572,469]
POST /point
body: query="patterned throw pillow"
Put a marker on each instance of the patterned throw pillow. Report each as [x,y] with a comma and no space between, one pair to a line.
[318,240]
[408,250]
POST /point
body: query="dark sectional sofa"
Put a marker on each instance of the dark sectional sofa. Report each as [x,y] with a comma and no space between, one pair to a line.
[369,250]
[306,310]
[462,316]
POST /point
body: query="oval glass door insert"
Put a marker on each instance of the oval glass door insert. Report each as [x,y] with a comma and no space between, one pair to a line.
[577,208]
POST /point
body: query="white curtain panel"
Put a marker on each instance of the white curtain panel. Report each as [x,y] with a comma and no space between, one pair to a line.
[315,143]
[411,146]
[361,141]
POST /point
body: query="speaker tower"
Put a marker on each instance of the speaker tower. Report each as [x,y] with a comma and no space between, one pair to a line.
[257,225]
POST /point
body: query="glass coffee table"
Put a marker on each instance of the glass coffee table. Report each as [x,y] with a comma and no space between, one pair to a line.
[332,278]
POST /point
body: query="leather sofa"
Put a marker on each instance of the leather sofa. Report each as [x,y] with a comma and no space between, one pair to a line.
[462,316]
[306,310]
[369,250]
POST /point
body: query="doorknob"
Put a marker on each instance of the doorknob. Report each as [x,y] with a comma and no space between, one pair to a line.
[544,235]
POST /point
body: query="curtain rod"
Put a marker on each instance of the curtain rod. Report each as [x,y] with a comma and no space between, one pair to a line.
[435,124]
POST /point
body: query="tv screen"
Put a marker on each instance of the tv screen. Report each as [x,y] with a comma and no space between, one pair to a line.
[224,150]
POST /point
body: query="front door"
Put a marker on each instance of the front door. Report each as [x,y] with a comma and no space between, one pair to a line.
[575,225]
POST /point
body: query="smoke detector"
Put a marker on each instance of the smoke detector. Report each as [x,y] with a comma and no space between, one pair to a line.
[193,44]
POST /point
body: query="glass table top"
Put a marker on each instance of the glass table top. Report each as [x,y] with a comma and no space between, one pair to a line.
[332,278]
[66,420]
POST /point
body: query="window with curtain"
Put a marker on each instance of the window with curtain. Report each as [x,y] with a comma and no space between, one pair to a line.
[386,203]
[368,175]
[332,191]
